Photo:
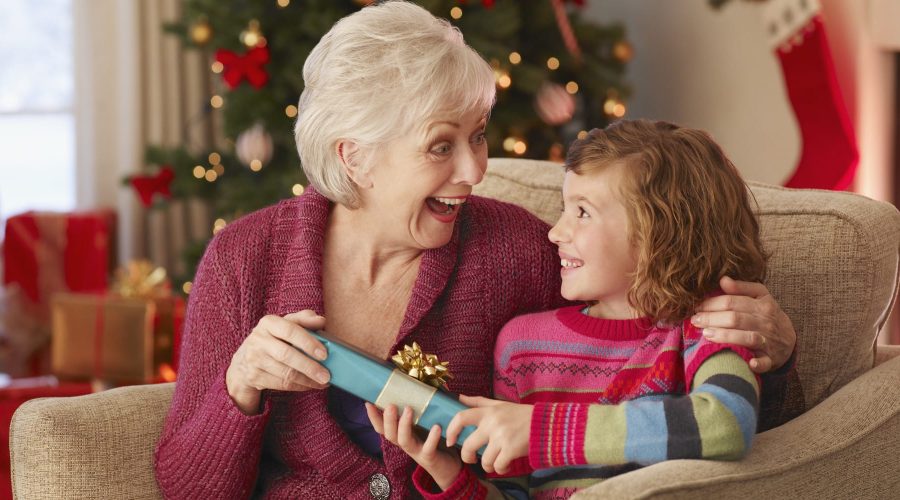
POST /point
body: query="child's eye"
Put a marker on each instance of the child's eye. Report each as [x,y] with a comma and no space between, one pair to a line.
[480,138]
[582,214]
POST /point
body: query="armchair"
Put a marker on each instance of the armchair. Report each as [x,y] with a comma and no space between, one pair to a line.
[834,270]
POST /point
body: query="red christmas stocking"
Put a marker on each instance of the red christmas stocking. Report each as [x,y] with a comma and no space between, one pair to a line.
[829,156]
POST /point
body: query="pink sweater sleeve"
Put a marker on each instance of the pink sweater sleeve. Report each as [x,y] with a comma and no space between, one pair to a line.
[209,448]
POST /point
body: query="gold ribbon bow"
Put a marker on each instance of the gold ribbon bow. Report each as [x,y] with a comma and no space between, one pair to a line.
[420,366]
[139,278]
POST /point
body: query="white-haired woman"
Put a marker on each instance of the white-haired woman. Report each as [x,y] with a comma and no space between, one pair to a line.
[390,247]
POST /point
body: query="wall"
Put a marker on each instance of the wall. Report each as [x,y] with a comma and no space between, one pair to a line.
[714,70]
[710,69]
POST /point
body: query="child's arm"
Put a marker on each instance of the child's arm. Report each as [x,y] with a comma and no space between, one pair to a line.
[716,420]
[440,473]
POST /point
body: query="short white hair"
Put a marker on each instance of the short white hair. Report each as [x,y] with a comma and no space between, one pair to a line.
[375,76]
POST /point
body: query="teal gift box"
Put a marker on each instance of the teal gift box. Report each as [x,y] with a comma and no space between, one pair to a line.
[381,384]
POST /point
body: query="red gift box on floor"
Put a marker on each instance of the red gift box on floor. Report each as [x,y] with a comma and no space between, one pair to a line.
[15,392]
[45,253]
[49,252]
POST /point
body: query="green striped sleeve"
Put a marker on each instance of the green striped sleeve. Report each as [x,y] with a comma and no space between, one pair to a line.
[716,420]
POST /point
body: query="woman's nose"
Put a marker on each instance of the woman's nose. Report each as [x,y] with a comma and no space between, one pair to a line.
[470,168]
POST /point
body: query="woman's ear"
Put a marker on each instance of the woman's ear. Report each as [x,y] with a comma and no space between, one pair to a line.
[351,157]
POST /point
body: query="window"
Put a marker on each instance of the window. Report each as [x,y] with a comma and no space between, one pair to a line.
[37,126]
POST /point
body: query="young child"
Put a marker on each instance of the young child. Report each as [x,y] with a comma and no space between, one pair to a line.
[654,215]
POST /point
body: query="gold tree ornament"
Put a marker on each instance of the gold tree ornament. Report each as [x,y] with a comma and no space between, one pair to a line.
[420,366]
[252,36]
[201,32]
[623,51]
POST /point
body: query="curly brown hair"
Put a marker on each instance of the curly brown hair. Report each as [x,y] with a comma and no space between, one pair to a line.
[689,210]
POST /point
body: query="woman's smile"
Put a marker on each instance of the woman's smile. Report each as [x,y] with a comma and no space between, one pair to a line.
[445,209]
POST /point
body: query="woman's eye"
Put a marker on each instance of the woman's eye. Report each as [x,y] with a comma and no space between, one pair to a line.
[581,213]
[441,149]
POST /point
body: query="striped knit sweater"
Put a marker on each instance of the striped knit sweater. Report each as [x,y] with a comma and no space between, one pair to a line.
[498,264]
[610,396]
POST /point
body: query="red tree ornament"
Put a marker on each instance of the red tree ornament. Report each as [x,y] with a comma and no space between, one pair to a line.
[249,66]
[147,186]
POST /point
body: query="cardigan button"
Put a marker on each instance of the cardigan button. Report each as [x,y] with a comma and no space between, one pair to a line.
[379,486]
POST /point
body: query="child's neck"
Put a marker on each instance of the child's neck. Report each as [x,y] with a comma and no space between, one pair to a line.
[611,310]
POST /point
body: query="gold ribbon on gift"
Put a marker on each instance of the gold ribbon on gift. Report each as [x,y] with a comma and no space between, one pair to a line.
[415,381]
[420,366]
[141,279]
[401,390]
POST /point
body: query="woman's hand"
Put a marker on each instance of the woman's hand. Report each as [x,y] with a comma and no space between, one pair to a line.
[504,427]
[747,315]
[269,359]
[442,465]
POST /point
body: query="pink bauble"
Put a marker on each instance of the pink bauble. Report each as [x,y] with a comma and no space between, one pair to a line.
[554,104]
[254,144]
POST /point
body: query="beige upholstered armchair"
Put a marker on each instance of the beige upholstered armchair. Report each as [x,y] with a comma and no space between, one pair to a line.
[834,270]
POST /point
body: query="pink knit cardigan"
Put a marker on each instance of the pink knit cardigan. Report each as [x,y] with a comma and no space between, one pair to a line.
[497,265]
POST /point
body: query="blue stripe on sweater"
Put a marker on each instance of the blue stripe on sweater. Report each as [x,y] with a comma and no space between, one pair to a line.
[690,350]
[646,435]
[535,347]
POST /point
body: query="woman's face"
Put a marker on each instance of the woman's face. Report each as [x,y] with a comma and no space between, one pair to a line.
[421,180]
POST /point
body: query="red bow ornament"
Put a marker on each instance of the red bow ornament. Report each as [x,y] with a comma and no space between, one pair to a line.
[149,185]
[237,67]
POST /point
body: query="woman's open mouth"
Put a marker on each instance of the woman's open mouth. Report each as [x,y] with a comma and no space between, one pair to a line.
[445,209]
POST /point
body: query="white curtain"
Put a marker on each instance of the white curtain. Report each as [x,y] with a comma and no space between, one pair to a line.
[136,86]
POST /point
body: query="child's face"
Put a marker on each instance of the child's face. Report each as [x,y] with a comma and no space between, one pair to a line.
[592,234]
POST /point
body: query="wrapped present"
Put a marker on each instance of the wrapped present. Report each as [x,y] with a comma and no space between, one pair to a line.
[416,381]
[114,338]
[48,252]
[45,253]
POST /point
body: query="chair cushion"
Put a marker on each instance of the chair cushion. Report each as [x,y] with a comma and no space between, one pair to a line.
[833,266]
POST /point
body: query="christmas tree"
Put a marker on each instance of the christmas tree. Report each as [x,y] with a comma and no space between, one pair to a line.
[557,75]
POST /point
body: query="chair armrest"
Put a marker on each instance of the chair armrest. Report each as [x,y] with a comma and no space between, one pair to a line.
[95,446]
[842,448]
[886,353]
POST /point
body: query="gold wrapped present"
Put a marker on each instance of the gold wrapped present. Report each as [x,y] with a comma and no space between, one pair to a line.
[114,338]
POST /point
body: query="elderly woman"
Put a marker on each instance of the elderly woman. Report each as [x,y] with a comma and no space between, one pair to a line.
[386,247]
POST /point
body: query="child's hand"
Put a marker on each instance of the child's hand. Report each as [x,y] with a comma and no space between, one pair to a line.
[442,465]
[503,426]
